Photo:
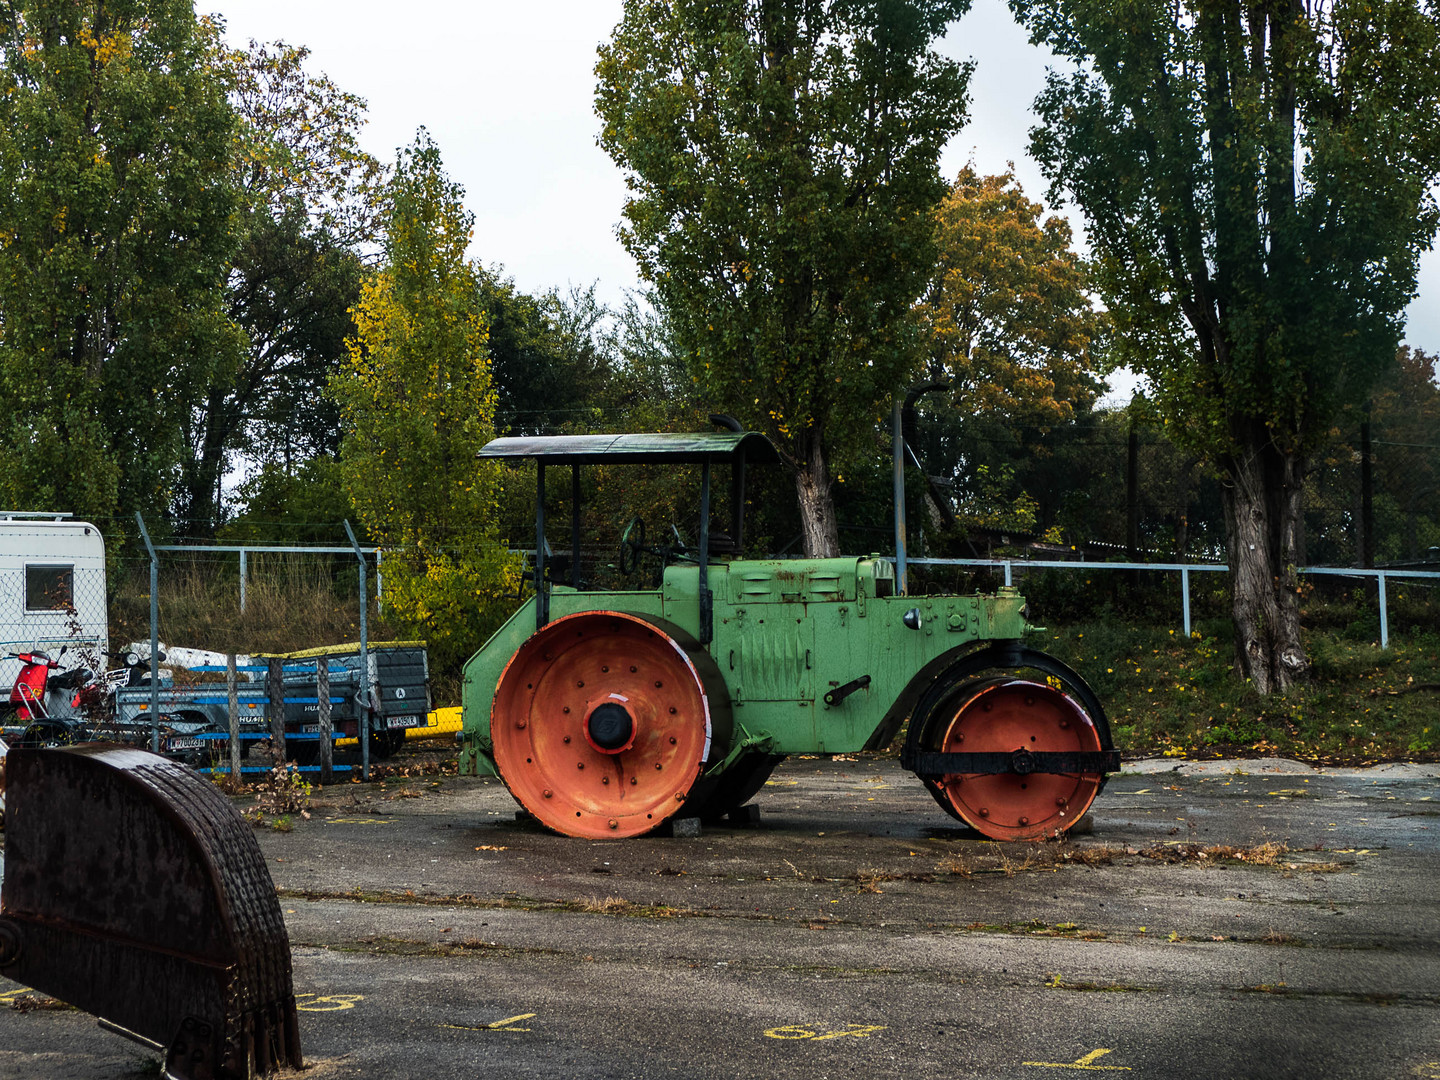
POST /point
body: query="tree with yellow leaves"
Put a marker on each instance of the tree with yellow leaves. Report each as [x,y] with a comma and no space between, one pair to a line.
[418,401]
[1009,323]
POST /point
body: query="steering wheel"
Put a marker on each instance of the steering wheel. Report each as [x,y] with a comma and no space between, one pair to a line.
[632,546]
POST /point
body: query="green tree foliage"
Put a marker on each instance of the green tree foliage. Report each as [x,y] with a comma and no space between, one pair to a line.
[418,403]
[782,159]
[549,366]
[308,205]
[1256,185]
[1405,419]
[1404,412]
[115,208]
[304,503]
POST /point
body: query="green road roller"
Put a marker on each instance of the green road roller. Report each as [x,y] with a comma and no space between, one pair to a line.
[609,712]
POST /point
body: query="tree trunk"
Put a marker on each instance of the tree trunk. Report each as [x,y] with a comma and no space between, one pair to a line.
[818,533]
[1263,498]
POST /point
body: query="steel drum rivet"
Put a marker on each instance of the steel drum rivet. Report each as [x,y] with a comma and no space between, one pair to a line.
[1064,723]
[580,683]
[1024,821]
[614,824]
[580,764]
[565,709]
[672,740]
[633,669]
[1029,699]
[519,723]
[1060,801]
[548,793]
[605,667]
[984,812]
[633,780]
[679,796]
[605,779]
[672,710]
[658,684]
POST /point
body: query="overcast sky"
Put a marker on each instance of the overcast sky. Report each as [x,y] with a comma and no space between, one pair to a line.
[506,89]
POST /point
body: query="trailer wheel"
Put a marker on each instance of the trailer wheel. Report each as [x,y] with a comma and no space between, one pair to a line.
[51,732]
[973,709]
[601,724]
[384,744]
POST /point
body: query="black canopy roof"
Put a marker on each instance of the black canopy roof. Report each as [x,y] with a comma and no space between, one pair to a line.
[718,447]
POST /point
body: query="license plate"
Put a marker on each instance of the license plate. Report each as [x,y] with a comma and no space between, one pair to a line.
[393,722]
[183,742]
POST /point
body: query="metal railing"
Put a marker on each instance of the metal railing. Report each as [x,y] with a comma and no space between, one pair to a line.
[1184,570]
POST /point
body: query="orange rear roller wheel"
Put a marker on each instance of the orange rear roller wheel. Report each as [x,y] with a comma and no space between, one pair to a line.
[1005,716]
[601,725]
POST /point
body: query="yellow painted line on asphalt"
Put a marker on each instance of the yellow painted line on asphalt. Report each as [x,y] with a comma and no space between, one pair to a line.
[326,1002]
[359,821]
[1086,1062]
[499,1025]
[821,1032]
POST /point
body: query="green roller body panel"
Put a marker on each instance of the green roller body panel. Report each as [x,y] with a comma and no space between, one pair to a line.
[786,633]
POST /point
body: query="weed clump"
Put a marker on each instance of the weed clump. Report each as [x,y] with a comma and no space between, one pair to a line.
[282,793]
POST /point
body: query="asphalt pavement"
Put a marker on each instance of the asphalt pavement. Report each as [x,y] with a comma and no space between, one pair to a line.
[1224,920]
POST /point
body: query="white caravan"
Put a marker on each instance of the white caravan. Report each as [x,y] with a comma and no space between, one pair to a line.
[52,591]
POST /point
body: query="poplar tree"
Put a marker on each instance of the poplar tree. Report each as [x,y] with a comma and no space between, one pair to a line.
[1256,181]
[782,162]
[418,403]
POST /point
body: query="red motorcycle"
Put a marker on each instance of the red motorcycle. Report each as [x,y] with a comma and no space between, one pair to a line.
[35,695]
[58,707]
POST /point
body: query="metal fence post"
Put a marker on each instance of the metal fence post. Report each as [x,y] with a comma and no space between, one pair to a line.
[232,692]
[897,480]
[243,576]
[326,733]
[154,636]
[363,704]
[1185,597]
[1384,617]
[275,706]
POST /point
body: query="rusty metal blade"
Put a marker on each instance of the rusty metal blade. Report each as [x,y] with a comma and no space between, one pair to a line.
[134,891]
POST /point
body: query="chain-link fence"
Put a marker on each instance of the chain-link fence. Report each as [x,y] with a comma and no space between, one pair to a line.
[1109,489]
[80,607]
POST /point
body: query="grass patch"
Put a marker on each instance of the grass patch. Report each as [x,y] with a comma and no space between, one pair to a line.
[609,905]
[292,601]
[1166,695]
[1055,982]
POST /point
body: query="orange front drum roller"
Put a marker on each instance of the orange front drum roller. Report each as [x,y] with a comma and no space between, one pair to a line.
[1016,716]
[601,725]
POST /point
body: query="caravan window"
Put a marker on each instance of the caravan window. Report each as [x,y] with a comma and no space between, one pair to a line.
[49,588]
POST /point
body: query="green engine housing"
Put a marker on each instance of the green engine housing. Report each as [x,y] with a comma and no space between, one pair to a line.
[787,632]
